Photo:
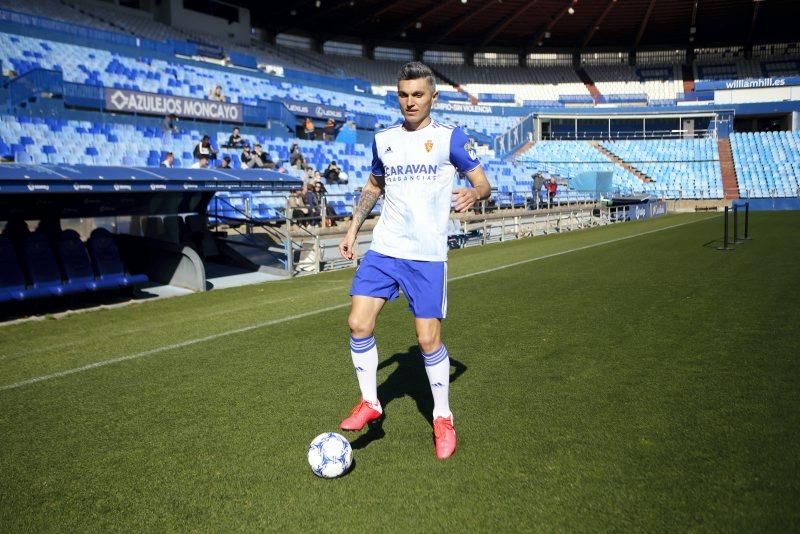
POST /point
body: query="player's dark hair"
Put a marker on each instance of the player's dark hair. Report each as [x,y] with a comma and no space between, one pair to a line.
[416,70]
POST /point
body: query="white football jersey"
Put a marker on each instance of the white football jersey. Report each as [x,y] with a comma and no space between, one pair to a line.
[418,169]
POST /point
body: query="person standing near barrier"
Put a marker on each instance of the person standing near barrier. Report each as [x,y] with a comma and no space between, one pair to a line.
[552,188]
[413,166]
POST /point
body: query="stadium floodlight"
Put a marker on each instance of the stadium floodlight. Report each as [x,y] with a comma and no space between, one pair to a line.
[571,10]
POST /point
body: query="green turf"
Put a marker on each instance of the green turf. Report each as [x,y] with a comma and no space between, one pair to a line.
[646,382]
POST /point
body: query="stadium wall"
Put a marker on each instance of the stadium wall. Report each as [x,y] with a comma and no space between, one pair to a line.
[767,94]
[774,204]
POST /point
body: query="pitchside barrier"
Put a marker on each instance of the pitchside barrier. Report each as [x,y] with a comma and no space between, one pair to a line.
[322,253]
[726,242]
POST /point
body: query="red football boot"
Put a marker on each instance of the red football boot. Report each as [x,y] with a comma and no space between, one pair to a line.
[362,414]
[444,437]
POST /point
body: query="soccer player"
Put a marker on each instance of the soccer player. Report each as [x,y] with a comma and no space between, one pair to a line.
[413,166]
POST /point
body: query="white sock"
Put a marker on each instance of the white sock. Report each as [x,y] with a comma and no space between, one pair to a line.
[364,352]
[437,365]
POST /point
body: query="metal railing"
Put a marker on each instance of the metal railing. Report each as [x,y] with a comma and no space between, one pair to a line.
[626,135]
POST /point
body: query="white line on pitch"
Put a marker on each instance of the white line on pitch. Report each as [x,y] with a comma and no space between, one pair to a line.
[318,311]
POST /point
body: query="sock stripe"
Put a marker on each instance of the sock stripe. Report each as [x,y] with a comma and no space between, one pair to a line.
[361,345]
[435,357]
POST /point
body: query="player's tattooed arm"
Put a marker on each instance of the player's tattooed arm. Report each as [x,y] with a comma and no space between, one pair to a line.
[369,197]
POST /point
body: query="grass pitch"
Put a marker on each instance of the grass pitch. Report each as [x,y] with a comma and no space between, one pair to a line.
[633,378]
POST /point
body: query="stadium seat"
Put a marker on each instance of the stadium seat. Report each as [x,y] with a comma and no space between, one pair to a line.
[76,263]
[43,269]
[12,279]
[107,262]
[22,157]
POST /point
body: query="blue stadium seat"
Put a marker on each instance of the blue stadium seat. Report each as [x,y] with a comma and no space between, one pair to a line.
[42,267]
[12,279]
[107,262]
[76,263]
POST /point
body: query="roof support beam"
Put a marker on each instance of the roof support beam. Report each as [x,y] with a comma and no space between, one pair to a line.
[753,23]
[411,21]
[464,19]
[643,25]
[377,12]
[497,30]
[597,23]
[553,22]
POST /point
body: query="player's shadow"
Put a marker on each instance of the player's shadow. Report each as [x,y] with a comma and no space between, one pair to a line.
[407,379]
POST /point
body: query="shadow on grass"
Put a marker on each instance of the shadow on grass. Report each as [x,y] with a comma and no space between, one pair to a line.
[407,379]
[53,306]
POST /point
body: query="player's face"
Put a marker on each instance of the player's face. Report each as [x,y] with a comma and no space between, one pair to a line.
[415,98]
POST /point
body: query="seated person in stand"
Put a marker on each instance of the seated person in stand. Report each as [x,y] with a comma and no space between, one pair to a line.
[201,163]
[297,205]
[235,140]
[216,94]
[204,148]
[334,174]
[296,158]
[329,131]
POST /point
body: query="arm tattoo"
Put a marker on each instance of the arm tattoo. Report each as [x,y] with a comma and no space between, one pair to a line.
[369,198]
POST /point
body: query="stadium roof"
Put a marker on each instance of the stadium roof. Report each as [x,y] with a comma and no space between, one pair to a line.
[523,24]
[82,179]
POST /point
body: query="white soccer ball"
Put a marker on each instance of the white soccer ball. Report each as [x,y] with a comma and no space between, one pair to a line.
[330,455]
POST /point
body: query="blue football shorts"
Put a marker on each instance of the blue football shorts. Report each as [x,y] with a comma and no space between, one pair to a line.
[424,283]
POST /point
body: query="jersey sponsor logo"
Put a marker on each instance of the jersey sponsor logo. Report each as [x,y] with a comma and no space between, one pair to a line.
[413,172]
[428,145]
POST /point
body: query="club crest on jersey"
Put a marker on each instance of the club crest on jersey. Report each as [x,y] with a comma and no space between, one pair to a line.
[428,145]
